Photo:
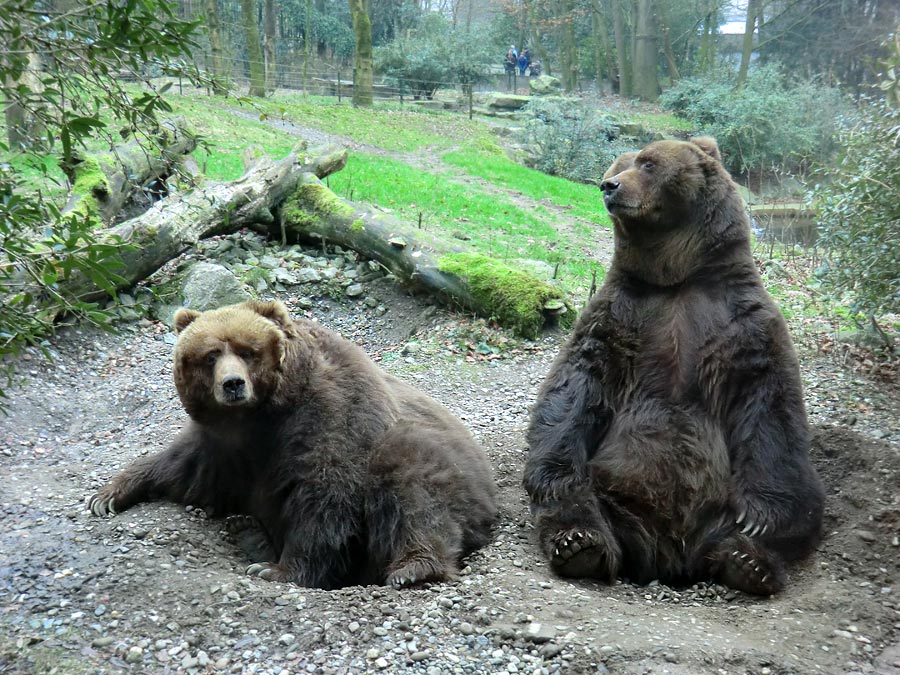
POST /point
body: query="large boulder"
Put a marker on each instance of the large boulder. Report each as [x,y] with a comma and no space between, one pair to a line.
[544,85]
[507,101]
[208,286]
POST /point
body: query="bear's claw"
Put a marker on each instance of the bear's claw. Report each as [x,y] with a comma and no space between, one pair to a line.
[266,571]
[751,571]
[101,505]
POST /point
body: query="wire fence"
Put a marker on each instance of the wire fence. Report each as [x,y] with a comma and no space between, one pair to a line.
[336,81]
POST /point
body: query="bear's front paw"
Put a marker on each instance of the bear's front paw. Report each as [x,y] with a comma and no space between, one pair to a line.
[268,571]
[752,516]
[104,502]
[584,553]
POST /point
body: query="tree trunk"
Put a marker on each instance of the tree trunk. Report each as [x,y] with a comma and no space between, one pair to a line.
[488,287]
[23,128]
[646,75]
[254,52]
[219,66]
[603,61]
[706,59]
[362,54]
[569,60]
[674,73]
[622,49]
[102,183]
[753,8]
[269,43]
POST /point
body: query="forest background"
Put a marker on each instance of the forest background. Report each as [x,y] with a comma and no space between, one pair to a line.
[792,89]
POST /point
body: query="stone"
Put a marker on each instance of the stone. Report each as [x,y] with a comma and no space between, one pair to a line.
[209,286]
[543,85]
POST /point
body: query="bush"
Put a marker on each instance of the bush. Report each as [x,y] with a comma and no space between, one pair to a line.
[859,213]
[436,55]
[768,124]
[571,140]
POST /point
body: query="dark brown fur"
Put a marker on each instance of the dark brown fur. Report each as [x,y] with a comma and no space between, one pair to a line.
[670,440]
[355,476]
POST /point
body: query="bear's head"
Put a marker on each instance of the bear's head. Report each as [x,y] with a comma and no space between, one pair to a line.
[232,358]
[672,204]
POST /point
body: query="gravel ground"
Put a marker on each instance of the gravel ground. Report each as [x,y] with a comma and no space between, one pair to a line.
[160,588]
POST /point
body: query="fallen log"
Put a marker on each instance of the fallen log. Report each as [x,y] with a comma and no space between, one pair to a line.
[488,287]
[102,183]
[175,224]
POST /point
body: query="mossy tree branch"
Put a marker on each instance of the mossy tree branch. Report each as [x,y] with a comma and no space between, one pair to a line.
[515,298]
[102,183]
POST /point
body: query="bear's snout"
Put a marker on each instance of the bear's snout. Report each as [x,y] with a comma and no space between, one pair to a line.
[234,388]
[609,186]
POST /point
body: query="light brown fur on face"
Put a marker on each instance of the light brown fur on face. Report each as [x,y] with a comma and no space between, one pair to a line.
[234,352]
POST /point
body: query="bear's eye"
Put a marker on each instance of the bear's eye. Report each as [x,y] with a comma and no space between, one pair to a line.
[246,354]
[212,356]
[648,165]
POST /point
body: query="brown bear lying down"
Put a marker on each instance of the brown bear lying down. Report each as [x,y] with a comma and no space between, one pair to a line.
[355,477]
[670,440]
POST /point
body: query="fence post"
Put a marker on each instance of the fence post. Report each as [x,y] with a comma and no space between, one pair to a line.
[339,85]
[470,100]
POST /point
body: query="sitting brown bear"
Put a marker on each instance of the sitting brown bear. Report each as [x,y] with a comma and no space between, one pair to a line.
[355,477]
[670,440]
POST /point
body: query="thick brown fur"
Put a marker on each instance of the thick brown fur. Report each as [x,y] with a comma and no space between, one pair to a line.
[355,477]
[670,439]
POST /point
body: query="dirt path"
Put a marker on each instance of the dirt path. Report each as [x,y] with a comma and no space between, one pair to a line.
[160,589]
[598,248]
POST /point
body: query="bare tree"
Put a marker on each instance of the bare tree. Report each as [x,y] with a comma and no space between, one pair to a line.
[254,52]
[269,43]
[362,55]
[646,76]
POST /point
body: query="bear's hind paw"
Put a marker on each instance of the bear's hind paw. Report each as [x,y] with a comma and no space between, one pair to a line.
[267,571]
[418,571]
[752,571]
[583,553]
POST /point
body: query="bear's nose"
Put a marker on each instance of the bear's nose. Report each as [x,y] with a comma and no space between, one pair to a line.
[233,385]
[609,186]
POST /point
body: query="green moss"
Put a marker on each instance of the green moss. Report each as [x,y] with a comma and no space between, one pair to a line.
[310,202]
[516,298]
[91,184]
[358,225]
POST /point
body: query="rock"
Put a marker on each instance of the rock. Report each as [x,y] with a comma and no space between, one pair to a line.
[542,85]
[355,290]
[507,101]
[866,535]
[134,655]
[208,286]
[307,275]
[539,633]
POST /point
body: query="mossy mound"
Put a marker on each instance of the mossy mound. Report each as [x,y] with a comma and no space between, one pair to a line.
[517,299]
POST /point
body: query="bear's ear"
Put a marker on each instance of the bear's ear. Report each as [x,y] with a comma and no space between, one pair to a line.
[275,312]
[183,318]
[623,162]
[708,145]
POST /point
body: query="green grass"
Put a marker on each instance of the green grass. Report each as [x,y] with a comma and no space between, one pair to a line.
[661,121]
[581,200]
[386,125]
[492,225]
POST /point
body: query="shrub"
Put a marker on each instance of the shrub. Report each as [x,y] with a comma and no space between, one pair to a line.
[571,140]
[435,56]
[767,124]
[859,213]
